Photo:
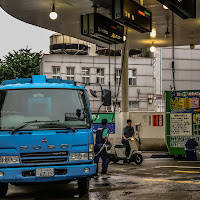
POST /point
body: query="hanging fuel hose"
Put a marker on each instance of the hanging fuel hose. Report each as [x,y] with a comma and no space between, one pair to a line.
[116,96]
[173,87]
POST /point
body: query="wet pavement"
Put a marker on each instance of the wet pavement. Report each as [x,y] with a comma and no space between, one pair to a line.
[156,178]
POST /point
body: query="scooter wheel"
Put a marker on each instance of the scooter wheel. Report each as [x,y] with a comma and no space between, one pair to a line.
[115,159]
[138,159]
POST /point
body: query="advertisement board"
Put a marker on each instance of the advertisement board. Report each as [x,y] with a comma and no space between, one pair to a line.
[182,119]
[183,8]
[97,122]
[133,15]
[102,28]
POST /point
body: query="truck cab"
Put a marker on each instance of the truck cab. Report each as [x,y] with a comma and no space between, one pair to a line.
[45,132]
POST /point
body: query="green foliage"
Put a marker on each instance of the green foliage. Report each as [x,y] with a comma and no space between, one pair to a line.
[22,64]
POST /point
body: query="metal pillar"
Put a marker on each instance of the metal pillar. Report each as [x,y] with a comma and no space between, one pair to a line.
[124,102]
[124,89]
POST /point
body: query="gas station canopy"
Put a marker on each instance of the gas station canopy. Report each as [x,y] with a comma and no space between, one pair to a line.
[36,12]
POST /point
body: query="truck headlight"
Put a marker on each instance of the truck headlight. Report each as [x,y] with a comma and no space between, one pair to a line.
[78,156]
[9,159]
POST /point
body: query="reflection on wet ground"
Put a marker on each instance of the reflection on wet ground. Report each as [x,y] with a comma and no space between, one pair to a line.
[154,179]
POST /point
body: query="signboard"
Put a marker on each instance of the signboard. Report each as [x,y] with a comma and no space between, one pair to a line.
[101,28]
[183,8]
[97,122]
[133,15]
[157,120]
[182,120]
[181,124]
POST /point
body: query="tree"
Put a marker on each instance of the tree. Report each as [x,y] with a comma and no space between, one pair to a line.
[22,64]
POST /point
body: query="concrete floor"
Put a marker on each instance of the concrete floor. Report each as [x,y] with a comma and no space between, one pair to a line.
[156,178]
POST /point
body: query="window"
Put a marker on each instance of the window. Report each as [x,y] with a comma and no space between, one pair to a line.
[70,73]
[133,104]
[117,76]
[66,107]
[100,76]
[56,72]
[132,77]
[85,75]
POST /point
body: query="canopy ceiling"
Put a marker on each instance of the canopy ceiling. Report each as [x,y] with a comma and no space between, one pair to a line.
[36,12]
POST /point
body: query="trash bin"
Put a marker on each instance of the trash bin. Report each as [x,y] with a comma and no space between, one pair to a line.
[190,147]
[198,152]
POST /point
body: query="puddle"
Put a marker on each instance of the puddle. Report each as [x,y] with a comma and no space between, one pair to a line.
[126,183]
[126,193]
[186,179]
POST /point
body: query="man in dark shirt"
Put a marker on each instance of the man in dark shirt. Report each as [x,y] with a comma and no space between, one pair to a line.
[128,132]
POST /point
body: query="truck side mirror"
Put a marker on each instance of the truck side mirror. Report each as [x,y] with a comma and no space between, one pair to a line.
[93,93]
[106,97]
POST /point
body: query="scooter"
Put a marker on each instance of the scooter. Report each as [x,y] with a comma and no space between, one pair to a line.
[117,152]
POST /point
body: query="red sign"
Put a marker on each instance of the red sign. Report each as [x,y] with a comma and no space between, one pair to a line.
[157,120]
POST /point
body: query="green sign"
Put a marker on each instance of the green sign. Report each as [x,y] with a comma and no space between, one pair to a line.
[101,116]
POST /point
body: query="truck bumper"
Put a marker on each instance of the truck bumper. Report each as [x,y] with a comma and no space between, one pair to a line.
[28,174]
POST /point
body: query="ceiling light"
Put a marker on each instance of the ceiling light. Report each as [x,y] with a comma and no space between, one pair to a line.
[153,33]
[165,7]
[153,48]
[192,46]
[167,34]
[53,15]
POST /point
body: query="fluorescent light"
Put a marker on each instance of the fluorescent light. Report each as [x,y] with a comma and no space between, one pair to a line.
[124,38]
[165,7]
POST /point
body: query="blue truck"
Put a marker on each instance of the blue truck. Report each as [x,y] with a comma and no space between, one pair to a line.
[45,133]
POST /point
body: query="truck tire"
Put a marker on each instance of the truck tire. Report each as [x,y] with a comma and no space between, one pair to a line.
[138,159]
[83,186]
[3,189]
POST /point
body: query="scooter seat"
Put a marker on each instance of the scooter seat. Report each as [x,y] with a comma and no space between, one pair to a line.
[120,146]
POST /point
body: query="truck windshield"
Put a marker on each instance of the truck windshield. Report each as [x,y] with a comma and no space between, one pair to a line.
[64,107]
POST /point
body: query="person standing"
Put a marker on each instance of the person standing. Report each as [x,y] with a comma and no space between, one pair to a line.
[101,138]
[128,132]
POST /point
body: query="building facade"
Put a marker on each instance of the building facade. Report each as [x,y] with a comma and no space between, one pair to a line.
[148,78]
[105,71]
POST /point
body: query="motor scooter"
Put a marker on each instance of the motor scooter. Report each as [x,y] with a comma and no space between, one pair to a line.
[117,152]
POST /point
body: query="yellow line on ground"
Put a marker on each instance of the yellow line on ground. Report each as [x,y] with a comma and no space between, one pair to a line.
[170,181]
[190,172]
[189,167]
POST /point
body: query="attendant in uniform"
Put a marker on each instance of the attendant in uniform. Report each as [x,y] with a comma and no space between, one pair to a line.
[101,138]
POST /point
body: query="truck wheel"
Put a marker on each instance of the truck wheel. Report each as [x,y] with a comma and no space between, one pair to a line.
[115,159]
[138,159]
[3,189]
[83,186]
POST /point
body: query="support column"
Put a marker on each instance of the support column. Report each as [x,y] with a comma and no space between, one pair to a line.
[124,101]
[124,89]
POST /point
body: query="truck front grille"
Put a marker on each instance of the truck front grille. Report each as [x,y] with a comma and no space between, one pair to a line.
[44,157]
[44,154]
[41,161]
